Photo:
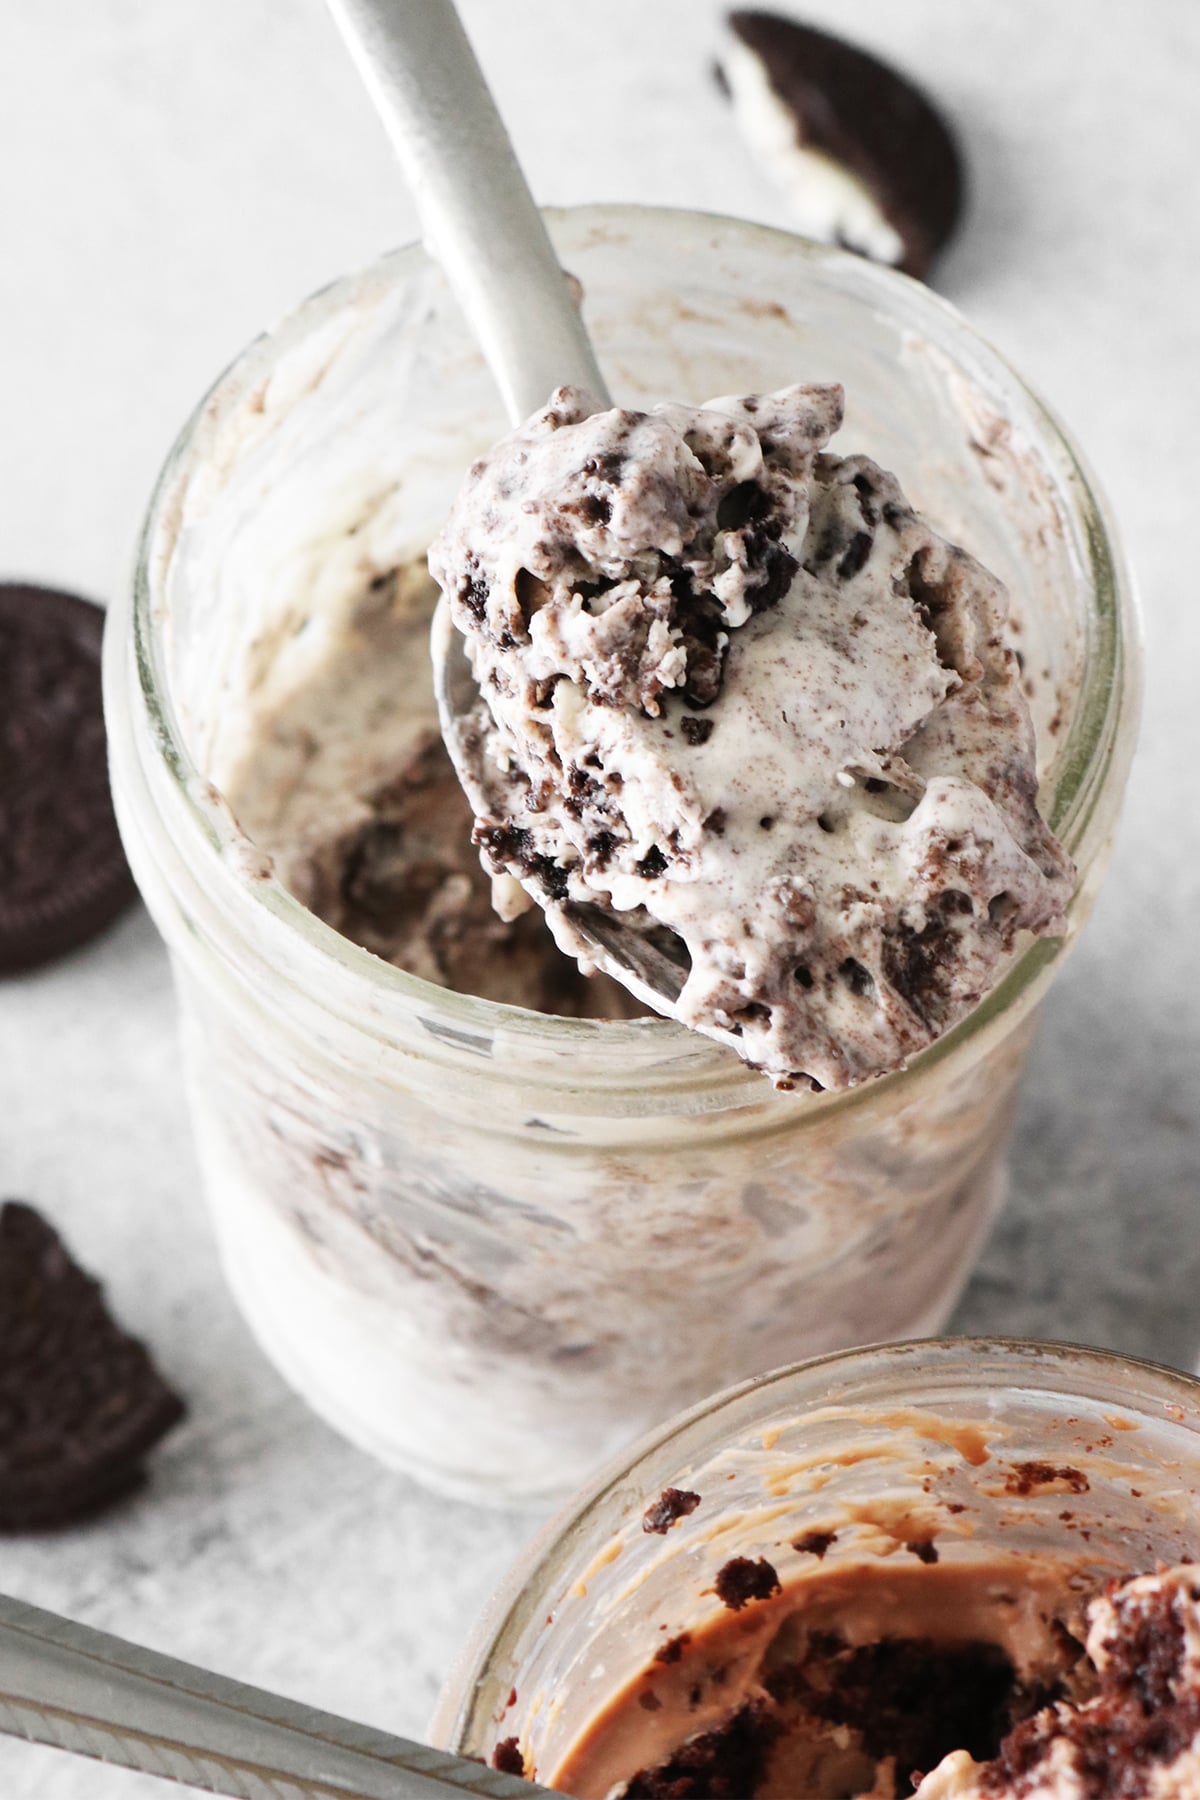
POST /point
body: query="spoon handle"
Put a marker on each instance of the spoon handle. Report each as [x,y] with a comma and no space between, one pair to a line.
[77,1689]
[477,213]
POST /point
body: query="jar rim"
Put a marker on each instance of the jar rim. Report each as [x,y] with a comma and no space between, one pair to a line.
[629,1475]
[1108,689]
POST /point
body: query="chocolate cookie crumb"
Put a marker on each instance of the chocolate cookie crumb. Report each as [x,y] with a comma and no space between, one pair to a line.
[507,1757]
[1026,1478]
[741,1581]
[729,1761]
[673,1649]
[81,1402]
[923,1549]
[814,1543]
[672,1505]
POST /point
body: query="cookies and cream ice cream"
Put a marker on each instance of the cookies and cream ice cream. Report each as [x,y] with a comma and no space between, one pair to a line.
[949,1682]
[733,689]
[356,802]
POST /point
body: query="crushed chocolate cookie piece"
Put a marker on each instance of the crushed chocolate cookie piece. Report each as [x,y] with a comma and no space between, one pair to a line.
[672,1505]
[81,1403]
[63,874]
[742,1580]
[508,1759]
[923,1549]
[696,731]
[1027,1478]
[815,1543]
[673,1649]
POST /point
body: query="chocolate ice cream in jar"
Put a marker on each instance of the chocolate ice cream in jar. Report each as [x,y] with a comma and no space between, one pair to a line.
[487,1222]
[952,1568]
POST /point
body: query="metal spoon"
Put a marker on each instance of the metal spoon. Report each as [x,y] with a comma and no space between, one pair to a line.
[481,224]
[477,213]
[77,1689]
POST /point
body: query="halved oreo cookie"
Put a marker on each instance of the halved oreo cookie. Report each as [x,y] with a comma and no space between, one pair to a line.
[80,1401]
[865,158]
[63,874]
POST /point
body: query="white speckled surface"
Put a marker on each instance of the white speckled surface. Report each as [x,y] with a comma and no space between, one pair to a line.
[173,176]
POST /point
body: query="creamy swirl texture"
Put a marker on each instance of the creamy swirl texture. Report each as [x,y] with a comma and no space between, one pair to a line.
[736,690]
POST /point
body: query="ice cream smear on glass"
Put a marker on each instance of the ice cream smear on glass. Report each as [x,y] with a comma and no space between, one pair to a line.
[950,1683]
[734,691]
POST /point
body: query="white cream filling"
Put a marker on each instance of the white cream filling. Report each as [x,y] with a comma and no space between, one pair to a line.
[827,201]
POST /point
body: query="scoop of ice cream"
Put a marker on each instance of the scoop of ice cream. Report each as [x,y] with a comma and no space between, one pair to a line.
[734,687]
[1139,1737]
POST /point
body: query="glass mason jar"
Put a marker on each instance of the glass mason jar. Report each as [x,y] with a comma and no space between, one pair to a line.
[873,1444]
[491,1245]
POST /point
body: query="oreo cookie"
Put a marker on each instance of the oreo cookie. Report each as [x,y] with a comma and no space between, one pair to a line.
[864,156]
[63,874]
[81,1402]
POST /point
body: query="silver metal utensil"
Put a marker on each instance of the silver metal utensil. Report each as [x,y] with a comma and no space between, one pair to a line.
[77,1689]
[477,213]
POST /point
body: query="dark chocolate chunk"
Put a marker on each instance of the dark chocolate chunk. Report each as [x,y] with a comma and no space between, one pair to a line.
[863,115]
[921,965]
[672,1505]
[63,874]
[742,504]
[511,847]
[742,1580]
[81,1402]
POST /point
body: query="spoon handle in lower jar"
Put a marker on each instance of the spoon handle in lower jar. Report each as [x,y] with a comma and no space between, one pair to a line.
[478,215]
[77,1689]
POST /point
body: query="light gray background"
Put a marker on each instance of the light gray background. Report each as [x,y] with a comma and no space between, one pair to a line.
[173,175]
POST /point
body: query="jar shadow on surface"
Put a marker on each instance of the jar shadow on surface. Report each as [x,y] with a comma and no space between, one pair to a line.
[490,1245]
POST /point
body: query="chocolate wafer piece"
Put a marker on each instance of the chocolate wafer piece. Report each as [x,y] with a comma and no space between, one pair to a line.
[81,1402]
[63,874]
[865,157]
